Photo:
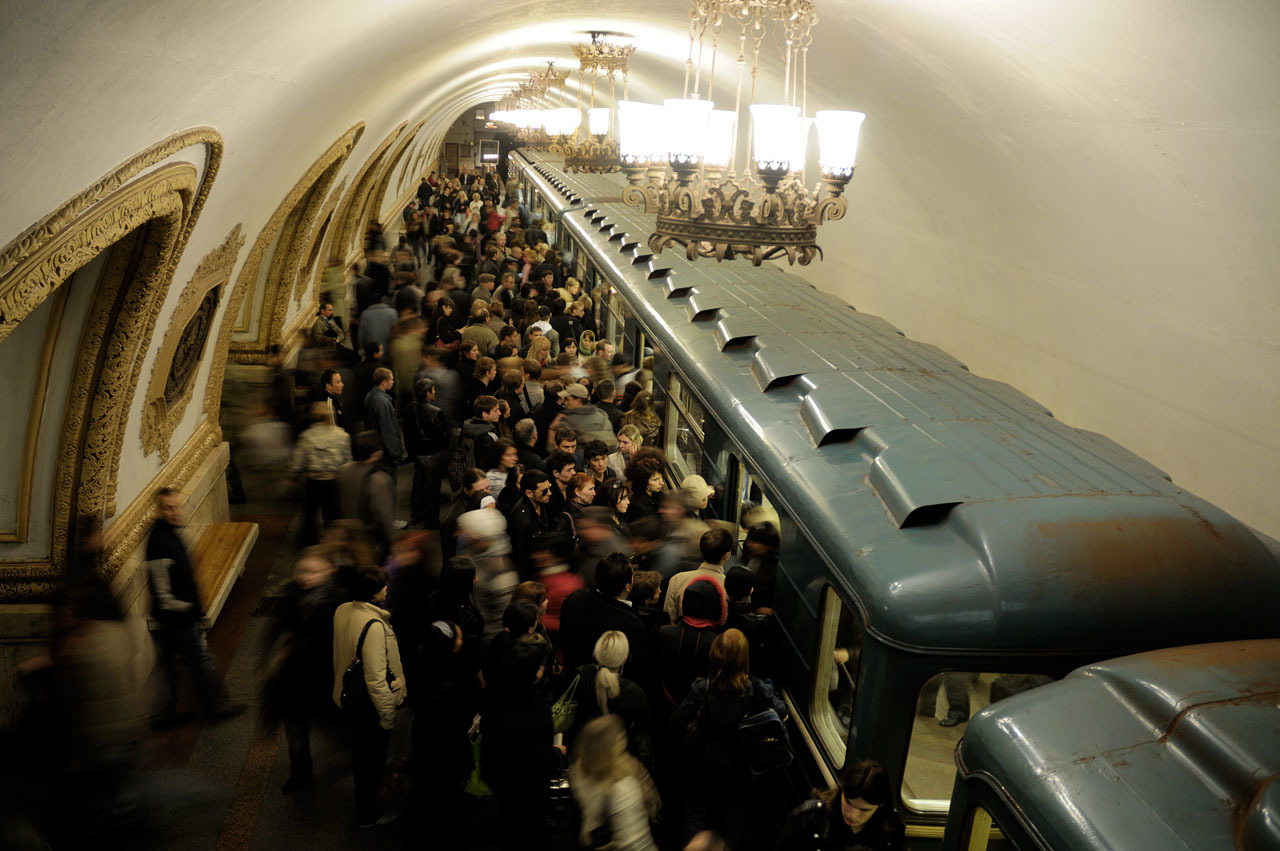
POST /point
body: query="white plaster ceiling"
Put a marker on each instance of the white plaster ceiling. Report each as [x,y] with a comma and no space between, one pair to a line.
[1080,198]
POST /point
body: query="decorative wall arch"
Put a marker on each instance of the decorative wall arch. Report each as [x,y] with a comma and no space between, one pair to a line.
[173,374]
[383,183]
[352,209]
[145,223]
[291,223]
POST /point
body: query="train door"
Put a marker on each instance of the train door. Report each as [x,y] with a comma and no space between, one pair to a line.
[745,495]
[684,431]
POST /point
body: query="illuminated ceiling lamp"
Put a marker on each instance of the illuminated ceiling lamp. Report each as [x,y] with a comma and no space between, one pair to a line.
[598,61]
[526,110]
[679,158]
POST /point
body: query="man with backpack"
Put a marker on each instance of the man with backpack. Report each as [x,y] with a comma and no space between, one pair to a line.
[476,440]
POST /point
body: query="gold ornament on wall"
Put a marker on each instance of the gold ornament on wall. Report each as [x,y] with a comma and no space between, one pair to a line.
[144,222]
[174,371]
[254,351]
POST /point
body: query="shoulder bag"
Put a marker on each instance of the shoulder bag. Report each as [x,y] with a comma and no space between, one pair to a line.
[564,712]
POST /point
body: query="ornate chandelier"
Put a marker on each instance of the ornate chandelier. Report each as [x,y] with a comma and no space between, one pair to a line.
[680,157]
[525,109]
[598,153]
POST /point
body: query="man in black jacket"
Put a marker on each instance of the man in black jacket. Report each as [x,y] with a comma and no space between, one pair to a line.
[530,520]
[589,613]
[175,605]
[427,435]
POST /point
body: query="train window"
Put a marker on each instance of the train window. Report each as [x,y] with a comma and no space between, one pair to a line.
[945,704]
[836,675]
[684,424]
[619,313]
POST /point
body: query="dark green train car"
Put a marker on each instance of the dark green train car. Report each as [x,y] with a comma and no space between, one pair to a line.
[945,540]
[1171,750]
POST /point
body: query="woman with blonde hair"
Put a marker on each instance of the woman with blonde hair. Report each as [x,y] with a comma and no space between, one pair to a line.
[539,350]
[615,793]
[644,417]
[629,441]
[705,725]
[614,693]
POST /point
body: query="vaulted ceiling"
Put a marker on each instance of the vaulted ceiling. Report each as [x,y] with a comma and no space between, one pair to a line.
[1080,198]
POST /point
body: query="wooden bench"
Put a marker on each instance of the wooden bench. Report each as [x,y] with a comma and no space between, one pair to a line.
[219,557]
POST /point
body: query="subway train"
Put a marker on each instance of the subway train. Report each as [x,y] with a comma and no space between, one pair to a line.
[946,542]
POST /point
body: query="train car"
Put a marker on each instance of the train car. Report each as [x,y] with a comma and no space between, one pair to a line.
[944,537]
[1175,749]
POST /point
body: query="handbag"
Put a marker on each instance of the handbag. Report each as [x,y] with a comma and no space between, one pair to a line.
[355,694]
[564,712]
[476,787]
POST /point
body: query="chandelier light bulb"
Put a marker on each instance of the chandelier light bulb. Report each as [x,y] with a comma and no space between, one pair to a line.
[775,129]
[639,125]
[838,131]
[598,120]
[801,152]
[722,137]
[686,127]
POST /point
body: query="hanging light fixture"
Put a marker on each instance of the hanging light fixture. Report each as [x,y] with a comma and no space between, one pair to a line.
[598,61]
[680,157]
[528,109]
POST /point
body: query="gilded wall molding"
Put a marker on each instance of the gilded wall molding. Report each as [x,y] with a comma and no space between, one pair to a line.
[311,272]
[145,222]
[189,327]
[128,530]
[117,333]
[290,222]
[383,184]
[357,198]
[20,293]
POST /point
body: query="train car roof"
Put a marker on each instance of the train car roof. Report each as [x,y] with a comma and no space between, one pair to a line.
[958,512]
[1170,749]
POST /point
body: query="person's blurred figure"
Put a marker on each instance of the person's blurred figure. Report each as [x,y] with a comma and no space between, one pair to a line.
[101,708]
[176,607]
[484,536]
[321,451]
[301,668]
[615,793]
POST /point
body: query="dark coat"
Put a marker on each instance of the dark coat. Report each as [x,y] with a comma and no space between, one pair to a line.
[380,416]
[586,615]
[426,429]
[814,826]
[684,654]
[525,526]
[164,542]
[706,725]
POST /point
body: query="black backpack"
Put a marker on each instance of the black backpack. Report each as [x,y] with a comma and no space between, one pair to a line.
[765,740]
[462,459]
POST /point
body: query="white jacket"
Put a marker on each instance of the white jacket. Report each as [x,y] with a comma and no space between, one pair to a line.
[381,654]
[622,805]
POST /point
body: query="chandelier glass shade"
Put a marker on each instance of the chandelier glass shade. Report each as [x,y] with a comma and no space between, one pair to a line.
[681,159]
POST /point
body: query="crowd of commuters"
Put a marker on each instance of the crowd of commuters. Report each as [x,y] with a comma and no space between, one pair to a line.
[543,609]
